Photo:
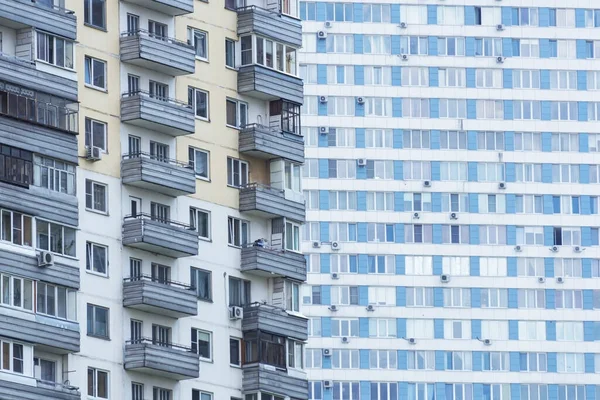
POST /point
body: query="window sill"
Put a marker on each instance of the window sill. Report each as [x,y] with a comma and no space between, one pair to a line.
[236,366]
[87,85]
[231,68]
[206,360]
[37,60]
[204,60]
[208,240]
[235,247]
[105,213]
[201,178]
[106,338]
[203,119]
[97,274]
[205,300]
[100,28]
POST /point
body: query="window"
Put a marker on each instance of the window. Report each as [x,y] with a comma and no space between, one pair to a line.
[533,362]
[239,292]
[418,265]
[345,359]
[455,234]
[416,202]
[16,228]
[315,390]
[568,267]
[453,171]
[342,169]
[55,238]
[345,391]
[314,326]
[237,113]
[13,357]
[17,292]
[494,330]
[570,362]
[457,329]
[530,235]
[97,321]
[238,232]
[292,180]
[97,383]
[417,170]
[416,108]
[314,358]
[340,74]
[96,197]
[380,232]
[457,297]
[383,359]
[341,106]
[95,13]
[54,50]
[451,77]
[421,360]
[418,233]
[452,108]
[565,173]
[344,295]
[200,221]
[380,201]
[311,168]
[593,80]
[199,39]
[525,16]
[419,328]
[492,266]
[488,47]
[56,301]
[311,231]
[341,200]
[526,48]
[308,73]
[376,13]
[384,390]
[563,111]
[526,79]
[378,169]
[95,73]
[453,140]
[456,266]
[382,327]
[271,54]
[295,354]
[490,172]
[494,298]
[532,298]
[379,76]
[563,80]
[532,330]
[201,280]
[230,53]
[414,14]
[340,137]
[96,257]
[416,139]
[95,134]
[490,109]
[488,78]
[339,43]
[419,297]
[527,141]
[313,263]
[382,296]
[414,45]
[310,105]
[459,361]
[199,395]
[528,172]
[569,299]
[450,15]
[451,46]
[455,202]
[378,107]
[237,172]
[534,391]
[564,49]
[415,76]
[198,100]
[344,327]
[565,142]
[202,344]
[594,111]
[377,44]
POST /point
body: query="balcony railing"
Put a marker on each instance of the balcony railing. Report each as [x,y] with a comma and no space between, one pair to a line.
[161,343]
[166,99]
[265,142]
[167,282]
[166,221]
[161,358]
[149,156]
[271,202]
[275,320]
[166,39]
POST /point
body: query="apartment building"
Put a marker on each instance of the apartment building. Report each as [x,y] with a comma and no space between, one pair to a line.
[151,201]
[452,202]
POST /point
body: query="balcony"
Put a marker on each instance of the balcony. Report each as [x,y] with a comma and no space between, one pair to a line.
[268,84]
[165,176]
[270,24]
[275,320]
[169,7]
[273,262]
[56,335]
[162,54]
[165,298]
[161,359]
[21,71]
[263,142]
[172,239]
[259,377]
[165,115]
[32,389]
[40,15]
[269,202]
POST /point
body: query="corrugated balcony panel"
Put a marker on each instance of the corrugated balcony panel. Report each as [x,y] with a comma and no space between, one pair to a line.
[271,262]
[58,335]
[163,176]
[265,378]
[36,390]
[24,72]
[52,19]
[267,84]
[171,299]
[275,320]
[270,202]
[262,142]
[169,7]
[168,116]
[169,361]
[165,55]
[27,266]
[168,238]
[276,26]
[40,202]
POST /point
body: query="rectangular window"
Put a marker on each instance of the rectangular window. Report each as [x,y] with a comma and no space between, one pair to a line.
[345,359]
[202,344]
[237,172]
[199,160]
[96,196]
[344,295]
[198,100]
[453,140]
[201,280]
[54,50]
[456,266]
[97,321]
[96,258]
[199,39]
[488,47]
[451,77]
[488,78]
[490,109]
[97,383]
[494,298]
[341,327]
[459,361]
[230,53]
[235,352]
[17,292]
[200,221]
[52,237]
[450,15]
[95,13]
[96,134]
[418,265]
[421,360]
[56,301]
[457,329]
[414,45]
[382,296]
[532,298]
[451,46]
[533,362]
[200,395]
[377,76]
[237,113]
[418,328]
[239,292]
[419,297]
[532,330]
[382,327]
[453,108]
[95,73]
[457,297]
[494,330]
[341,200]
[339,43]
[16,228]
[418,233]
[238,232]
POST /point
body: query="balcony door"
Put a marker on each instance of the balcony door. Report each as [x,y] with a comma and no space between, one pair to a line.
[161,335]
[161,273]
[133,23]
[135,205]
[136,331]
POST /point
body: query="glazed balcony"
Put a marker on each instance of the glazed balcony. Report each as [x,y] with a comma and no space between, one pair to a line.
[169,7]
[40,14]
[165,237]
[266,143]
[161,175]
[161,359]
[275,320]
[32,389]
[268,84]
[271,24]
[168,298]
[163,54]
[269,202]
[258,377]
[169,116]
[269,262]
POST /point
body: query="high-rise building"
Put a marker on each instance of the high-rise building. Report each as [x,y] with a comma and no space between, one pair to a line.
[452,205]
[125,274]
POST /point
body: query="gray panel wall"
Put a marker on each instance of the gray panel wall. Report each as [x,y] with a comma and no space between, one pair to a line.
[40,202]
[18,391]
[274,320]
[37,15]
[279,262]
[165,178]
[170,56]
[269,83]
[166,299]
[271,201]
[260,139]
[178,364]
[275,26]
[162,238]
[25,73]
[172,119]
[62,336]
[256,377]
[26,266]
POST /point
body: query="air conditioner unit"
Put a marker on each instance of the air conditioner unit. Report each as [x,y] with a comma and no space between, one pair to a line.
[333,307]
[360,100]
[560,279]
[416,215]
[403,25]
[444,278]
[45,259]
[404,57]
[577,249]
[328,24]
[518,248]
[412,340]
[327,384]
[335,245]
[361,162]
[370,307]
[487,342]
[499,27]
[322,99]
[427,183]
[554,249]
[92,153]
[327,352]
[323,130]
[316,244]
[236,313]
[322,34]
[541,279]
[502,185]
[335,275]
[345,339]
[500,60]
[453,216]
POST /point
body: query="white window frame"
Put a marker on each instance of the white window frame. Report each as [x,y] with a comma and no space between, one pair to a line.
[92,196]
[91,66]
